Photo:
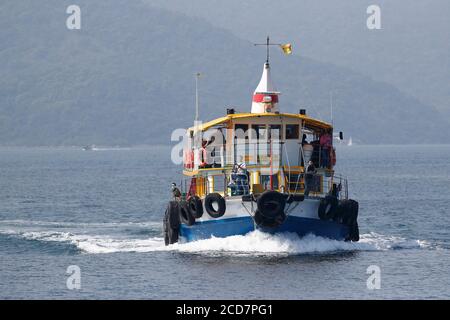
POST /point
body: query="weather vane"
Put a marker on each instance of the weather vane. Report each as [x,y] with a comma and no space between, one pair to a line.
[287,48]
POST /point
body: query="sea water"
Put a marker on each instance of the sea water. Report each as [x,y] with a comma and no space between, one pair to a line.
[102,212]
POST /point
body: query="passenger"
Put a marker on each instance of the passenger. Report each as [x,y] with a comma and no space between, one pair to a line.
[242,178]
[232,184]
[211,153]
[239,178]
[306,151]
[310,178]
[204,159]
[304,140]
[325,145]
[176,193]
[335,190]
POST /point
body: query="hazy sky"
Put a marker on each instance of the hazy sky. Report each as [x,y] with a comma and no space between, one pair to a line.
[411,51]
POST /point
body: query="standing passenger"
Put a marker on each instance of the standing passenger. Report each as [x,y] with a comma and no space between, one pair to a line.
[325,145]
[310,177]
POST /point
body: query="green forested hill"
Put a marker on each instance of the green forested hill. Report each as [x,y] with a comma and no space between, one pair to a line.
[127,78]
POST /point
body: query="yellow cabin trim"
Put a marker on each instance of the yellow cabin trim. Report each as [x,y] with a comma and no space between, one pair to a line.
[229,118]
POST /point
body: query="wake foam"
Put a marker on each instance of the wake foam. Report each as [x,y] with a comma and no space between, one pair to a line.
[257,242]
[253,243]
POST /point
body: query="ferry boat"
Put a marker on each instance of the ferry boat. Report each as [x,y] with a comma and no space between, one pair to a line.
[260,170]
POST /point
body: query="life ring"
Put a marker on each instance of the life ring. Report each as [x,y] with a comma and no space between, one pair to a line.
[171,223]
[270,212]
[327,208]
[221,206]
[185,215]
[195,207]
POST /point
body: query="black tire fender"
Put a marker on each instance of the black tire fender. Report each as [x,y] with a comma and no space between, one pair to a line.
[350,219]
[185,215]
[270,212]
[171,223]
[219,200]
[172,214]
[327,207]
[350,215]
[342,207]
[195,207]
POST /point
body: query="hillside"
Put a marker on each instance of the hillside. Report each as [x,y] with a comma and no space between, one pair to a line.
[411,51]
[127,78]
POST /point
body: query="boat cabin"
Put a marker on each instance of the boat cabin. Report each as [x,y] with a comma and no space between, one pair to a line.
[248,153]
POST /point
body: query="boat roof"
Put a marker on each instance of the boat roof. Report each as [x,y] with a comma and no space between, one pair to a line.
[236,116]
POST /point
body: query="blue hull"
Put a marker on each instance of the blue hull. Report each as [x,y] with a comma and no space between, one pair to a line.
[242,225]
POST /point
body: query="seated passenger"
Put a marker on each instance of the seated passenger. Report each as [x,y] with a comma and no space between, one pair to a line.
[239,180]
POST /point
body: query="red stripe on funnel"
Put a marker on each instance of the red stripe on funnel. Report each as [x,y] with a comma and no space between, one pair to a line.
[259,97]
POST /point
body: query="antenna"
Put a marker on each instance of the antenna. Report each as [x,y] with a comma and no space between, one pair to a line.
[331,106]
[197,76]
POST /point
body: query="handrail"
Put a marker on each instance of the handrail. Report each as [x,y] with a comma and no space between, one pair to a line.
[317,184]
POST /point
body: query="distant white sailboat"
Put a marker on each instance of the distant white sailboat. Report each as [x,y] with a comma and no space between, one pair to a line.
[350,142]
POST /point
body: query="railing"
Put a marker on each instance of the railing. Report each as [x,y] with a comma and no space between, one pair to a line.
[229,183]
[317,184]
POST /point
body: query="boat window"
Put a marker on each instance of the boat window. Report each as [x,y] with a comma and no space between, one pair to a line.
[275,131]
[292,131]
[265,181]
[241,130]
[261,131]
[241,143]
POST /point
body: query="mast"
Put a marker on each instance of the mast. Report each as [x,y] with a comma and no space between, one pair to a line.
[197,76]
[267,44]
[271,159]
[331,106]
[265,97]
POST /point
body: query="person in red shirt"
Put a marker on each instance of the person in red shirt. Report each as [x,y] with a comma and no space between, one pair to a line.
[325,146]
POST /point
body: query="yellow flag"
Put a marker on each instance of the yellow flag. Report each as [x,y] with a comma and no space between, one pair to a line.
[287,48]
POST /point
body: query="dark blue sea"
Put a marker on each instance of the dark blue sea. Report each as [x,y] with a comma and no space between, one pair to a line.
[101,211]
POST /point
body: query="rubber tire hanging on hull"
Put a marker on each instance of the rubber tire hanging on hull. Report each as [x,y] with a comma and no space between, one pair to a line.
[171,223]
[350,218]
[185,214]
[347,214]
[215,198]
[270,212]
[327,207]
[195,207]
